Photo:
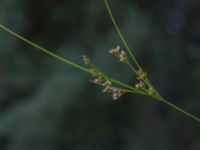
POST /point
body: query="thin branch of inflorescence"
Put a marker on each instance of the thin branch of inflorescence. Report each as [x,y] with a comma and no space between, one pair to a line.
[121,35]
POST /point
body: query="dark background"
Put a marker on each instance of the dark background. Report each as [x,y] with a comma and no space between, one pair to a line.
[47,105]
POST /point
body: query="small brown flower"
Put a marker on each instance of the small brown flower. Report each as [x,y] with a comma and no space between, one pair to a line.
[142,75]
[120,54]
[140,85]
[116,96]
[123,57]
[86,60]
[115,51]
[117,93]
[107,83]
[98,80]
[107,89]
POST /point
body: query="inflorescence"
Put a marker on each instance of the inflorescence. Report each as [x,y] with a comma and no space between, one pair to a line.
[142,85]
[101,79]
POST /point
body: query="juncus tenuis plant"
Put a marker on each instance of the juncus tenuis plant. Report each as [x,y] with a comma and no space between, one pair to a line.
[116,88]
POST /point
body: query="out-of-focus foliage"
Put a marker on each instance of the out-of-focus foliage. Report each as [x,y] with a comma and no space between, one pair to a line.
[46,105]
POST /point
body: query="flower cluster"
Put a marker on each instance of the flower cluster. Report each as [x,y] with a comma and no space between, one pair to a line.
[86,60]
[108,88]
[100,79]
[142,75]
[121,54]
[142,83]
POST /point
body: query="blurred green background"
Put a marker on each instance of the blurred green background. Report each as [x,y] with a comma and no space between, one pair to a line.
[47,105]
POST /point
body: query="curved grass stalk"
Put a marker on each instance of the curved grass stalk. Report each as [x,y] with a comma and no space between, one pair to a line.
[127,87]
[45,50]
[180,110]
[121,35]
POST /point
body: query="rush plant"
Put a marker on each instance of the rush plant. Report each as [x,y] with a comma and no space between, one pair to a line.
[142,85]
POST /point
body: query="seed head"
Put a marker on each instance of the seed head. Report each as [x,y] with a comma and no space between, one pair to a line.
[107,89]
[120,54]
[142,75]
[123,57]
[97,80]
[86,60]
[107,83]
[115,51]
[117,93]
[116,96]
[140,85]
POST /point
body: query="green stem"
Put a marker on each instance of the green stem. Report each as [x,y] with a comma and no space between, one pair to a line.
[127,86]
[180,110]
[131,67]
[120,34]
[63,59]
[45,50]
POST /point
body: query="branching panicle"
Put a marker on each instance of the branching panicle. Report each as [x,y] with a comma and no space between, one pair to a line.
[102,80]
[142,85]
